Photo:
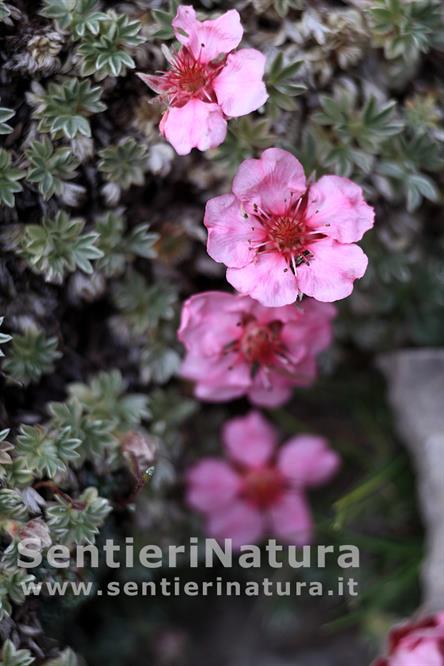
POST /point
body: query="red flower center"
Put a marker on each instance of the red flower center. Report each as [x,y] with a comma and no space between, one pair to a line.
[261,346]
[263,487]
[287,233]
[259,343]
[189,79]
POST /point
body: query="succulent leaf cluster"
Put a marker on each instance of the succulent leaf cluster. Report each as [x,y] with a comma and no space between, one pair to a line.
[63,109]
[9,179]
[50,167]
[30,356]
[59,246]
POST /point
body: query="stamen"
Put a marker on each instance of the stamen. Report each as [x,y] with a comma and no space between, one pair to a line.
[169,57]
[266,381]
[287,233]
[258,244]
[188,78]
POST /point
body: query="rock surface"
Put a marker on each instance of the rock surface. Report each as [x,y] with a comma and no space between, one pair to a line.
[416,392]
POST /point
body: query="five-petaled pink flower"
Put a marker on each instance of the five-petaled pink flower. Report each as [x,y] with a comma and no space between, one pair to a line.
[236,347]
[259,492]
[208,81]
[281,237]
[416,644]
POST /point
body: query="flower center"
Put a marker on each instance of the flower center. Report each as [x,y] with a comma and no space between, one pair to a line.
[191,74]
[261,347]
[263,487]
[287,233]
[189,79]
[259,343]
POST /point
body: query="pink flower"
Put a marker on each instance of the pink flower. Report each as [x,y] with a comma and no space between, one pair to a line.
[258,493]
[35,533]
[236,347]
[208,82]
[416,644]
[281,237]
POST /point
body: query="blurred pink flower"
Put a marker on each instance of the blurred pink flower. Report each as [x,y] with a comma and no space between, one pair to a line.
[281,237]
[207,82]
[259,492]
[237,347]
[35,532]
[140,448]
[416,644]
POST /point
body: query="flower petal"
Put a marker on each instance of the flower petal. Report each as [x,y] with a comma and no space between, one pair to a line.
[311,327]
[291,519]
[249,439]
[267,278]
[270,389]
[329,276]
[336,207]
[304,371]
[229,233]
[218,378]
[211,484]
[212,392]
[307,460]
[239,87]
[195,125]
[422,654]
[418,642]
[208,39]
[154,81]
[270,182]
[239,521]
[209,328]
[209,321]
[185,24]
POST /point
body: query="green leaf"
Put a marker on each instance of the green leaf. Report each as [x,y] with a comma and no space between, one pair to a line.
[11,504]
[164,19]
[348,134]
[405,29]
[50,167]
[65,658]
[425,186]
[4,338]
[245,136]
[105,52]
[46,452]
[13,657]
[281,86]
[77,521]
[142,307]
[120,249]
[5,11]
[5,114]
[282,7]
[5,457]
[96,434]
[105,397]
[30,356]
[79,16]
[159,363]
[58,246]
[63,108]
[9,177]
[124,163]
[405,160]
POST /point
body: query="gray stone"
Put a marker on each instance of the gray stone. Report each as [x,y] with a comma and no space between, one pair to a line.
[416,392]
